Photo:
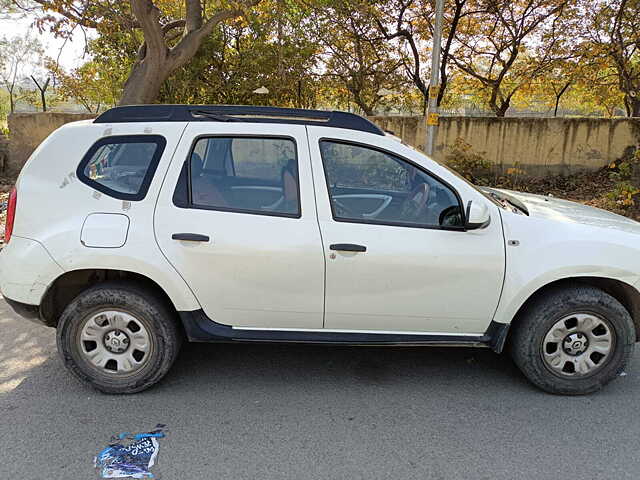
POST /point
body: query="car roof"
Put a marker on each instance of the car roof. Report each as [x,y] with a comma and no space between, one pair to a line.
[237,113]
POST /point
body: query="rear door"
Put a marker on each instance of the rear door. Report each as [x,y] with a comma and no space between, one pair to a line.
[236,217]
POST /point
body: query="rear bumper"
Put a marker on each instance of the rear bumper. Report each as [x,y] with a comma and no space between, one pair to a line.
[29,312]
[26,271]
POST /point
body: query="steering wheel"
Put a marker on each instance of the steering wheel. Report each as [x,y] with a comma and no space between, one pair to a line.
[451,217]
[342,210]
[415,204]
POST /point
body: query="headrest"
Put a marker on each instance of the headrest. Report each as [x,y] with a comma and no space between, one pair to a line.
[291,167]
[196,165]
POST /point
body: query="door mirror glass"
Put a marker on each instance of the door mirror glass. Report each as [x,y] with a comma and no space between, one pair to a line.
[478,215]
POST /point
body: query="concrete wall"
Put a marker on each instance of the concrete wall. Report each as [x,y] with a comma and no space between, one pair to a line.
[4,152]
[540,146]
[27,130]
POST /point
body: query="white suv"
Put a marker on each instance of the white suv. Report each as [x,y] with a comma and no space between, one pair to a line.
[220,223]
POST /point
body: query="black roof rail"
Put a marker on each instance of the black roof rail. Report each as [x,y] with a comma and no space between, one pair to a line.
[236,113]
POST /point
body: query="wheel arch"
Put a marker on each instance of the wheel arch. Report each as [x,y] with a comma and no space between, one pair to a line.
[626,294]
[70,284]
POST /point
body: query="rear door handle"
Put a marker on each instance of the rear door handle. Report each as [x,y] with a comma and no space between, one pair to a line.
[348,247]
[190,237]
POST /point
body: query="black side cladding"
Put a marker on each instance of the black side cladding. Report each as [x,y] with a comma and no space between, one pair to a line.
[200,328]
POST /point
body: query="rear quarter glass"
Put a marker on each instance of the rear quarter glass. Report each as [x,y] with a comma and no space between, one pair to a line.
[122,166]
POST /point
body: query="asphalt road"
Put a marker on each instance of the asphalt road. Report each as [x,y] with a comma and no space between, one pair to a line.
[307,412]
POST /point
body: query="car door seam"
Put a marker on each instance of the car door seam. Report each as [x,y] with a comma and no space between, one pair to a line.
[324,255]
[155,208]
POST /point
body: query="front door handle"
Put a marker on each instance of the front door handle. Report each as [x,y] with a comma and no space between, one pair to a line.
[348,247]
[190,237]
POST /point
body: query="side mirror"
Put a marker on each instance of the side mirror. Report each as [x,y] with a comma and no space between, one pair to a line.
[477,216]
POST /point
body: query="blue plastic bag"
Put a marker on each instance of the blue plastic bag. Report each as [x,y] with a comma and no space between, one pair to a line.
[132,460]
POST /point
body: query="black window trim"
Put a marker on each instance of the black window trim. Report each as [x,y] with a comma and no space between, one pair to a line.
[160,142]
[460,228]
[189,203]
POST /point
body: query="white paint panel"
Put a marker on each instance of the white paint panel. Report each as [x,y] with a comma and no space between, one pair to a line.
[26,270]
[409,279]
[105,230]
[52,169]
[256,270]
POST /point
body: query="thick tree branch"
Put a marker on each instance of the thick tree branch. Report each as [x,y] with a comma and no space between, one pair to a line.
[148,15]
[191,41]
[194,15]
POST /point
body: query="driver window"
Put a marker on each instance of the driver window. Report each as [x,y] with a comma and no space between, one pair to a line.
[371,186]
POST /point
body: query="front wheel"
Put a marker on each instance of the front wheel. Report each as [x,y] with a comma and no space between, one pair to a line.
[573,340]
[118,337]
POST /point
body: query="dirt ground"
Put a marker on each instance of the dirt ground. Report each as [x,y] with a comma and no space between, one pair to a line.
[589,188]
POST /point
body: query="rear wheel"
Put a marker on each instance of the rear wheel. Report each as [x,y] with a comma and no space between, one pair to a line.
[573,340]
[118,337]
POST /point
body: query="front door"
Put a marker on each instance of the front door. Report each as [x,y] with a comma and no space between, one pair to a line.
[237,219]
[397,257]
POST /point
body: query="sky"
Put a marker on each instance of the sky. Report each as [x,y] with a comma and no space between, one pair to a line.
[72,52]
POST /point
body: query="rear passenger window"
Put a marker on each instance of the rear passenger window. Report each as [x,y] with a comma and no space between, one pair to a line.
[243,174]
[122,166]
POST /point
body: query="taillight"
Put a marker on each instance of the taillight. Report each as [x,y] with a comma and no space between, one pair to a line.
[11,215]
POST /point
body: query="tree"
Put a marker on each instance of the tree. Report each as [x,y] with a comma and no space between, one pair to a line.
[170,37]
[509,44]
[16,54]
[156,60]
[89,85]
[42,89]
[354,54]
[397,22]
[412,22]
[269,47]
[614,33]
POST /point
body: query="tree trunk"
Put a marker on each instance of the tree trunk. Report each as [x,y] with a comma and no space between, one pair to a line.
[559,96]
[634,104]
[144,82]
[501,109]
[43,90]
[499,103]
[367,109]
[156,61]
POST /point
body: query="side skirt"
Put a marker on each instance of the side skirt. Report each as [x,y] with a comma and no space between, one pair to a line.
[200,328]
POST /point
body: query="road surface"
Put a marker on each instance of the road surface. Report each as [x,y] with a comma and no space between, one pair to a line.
[313,412]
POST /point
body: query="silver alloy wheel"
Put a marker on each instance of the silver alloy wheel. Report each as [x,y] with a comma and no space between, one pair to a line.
[115,342]
[577,345]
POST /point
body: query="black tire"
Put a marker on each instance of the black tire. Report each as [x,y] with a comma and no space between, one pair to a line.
[531,328]
[132,299]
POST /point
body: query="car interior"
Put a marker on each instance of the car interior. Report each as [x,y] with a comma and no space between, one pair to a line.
[261,184]
[121,166]
[247,174]
[368,185]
